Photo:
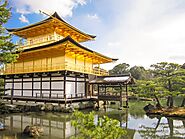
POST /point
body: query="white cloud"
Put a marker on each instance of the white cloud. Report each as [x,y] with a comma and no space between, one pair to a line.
[23,19]
[149,31]
[114,44]
[63,7]
[93,17]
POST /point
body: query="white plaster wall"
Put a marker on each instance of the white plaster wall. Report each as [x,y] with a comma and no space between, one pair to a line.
[27,85]
[17,92]
[57,85]
[8,86]
[45,85]
[27,93]
[36,85]
[70,89]
[17,85]
[80,88]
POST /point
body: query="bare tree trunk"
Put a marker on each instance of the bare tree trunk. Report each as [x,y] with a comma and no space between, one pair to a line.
[183,122]
[183,103]
[170,102]
[170,123]
[158,122]
[158,105]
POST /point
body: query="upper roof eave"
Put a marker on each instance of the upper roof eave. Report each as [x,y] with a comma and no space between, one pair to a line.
[55,15]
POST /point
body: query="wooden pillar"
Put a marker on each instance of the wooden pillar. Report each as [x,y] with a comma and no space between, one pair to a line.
[121,99]
[22,86]
[50,129]
[92,90]
[76,86]
[41,86]
[98,95]
[126,120]
[85,86]
[32,85]
[4,87]
[84,64]
[22,123]
[126,96]
[50,85]
[99,69]
[65,97]
[75,60]
[12,91]
[64,128]
[11,124]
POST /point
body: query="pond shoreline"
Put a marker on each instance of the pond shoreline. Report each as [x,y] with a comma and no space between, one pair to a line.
[168,112]
[6,108]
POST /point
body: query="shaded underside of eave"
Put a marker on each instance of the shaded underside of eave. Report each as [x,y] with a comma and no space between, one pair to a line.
[69,39]
[55,15]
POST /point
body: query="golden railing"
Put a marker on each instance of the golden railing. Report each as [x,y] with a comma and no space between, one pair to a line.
[54,67]
[39,41]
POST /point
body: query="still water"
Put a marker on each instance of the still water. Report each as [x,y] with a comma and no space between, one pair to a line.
[134,120]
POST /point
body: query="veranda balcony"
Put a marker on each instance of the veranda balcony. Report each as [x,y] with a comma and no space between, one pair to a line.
[56,67]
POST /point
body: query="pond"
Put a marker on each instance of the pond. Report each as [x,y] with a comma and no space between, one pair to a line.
[58,125]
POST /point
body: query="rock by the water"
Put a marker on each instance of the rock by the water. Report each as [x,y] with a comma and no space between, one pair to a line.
[57,108]
[70,108]
[148,108]
[48,107]
[40,107]
[81,105]
[33,131]
[90,104]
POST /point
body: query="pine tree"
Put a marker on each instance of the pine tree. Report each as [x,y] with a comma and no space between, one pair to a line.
[7,48]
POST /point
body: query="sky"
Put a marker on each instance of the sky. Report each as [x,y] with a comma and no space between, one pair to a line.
[137,32]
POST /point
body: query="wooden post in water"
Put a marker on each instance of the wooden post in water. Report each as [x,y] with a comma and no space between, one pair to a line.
[65,88]
[98,96]
[11,102]
[126,96]
[121,99]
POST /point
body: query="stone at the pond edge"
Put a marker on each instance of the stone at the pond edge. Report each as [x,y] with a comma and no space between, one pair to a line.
[33,131]
[48,107]
[148,108]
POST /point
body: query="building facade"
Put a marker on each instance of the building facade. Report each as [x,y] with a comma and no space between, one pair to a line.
[52,62]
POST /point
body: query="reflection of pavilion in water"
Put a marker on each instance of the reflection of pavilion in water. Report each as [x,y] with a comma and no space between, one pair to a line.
[54,127]
[59,126]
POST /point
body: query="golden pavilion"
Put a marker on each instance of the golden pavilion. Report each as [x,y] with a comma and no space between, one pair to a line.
[53,63]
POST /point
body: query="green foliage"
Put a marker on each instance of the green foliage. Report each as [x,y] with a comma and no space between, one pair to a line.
[139,73]
[104,128]
[145,88]
[7,48]
[120,69]
[170,75]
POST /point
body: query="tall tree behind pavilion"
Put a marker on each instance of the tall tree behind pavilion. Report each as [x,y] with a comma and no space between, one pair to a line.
[172,77]
[7,48]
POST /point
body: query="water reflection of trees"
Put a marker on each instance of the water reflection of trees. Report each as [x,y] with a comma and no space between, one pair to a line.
[163,129]
[135,109]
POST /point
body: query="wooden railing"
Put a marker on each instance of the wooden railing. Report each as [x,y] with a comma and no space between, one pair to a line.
[54,67]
